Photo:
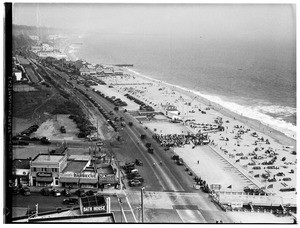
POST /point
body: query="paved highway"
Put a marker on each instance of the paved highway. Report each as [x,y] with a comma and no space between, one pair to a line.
[167,177]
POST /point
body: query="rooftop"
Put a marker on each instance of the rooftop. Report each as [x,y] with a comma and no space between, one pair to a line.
[105,170]
[92,201]
[75,166]
[48,158]
[79,157]
[171,108]
[21,163]
[68,216]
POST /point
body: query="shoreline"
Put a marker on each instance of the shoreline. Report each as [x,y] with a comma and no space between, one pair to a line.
[257,125]
[253,123]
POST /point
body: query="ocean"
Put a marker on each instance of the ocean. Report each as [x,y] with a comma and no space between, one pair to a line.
[256,78]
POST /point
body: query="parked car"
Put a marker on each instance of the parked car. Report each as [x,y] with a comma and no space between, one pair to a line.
[80,193]
[24,190]
[148,145]
[139,178]
[44,140]
[65,192]
[179,161]
[55,193]
[143,136]
[70,201]
[175,157]
[134,183]
[150,150]
[132,175]
[90,192]
[15,190]
[62,129]
[45,192]
[138,162]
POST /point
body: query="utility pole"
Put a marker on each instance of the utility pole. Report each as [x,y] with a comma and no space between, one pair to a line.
[142,203]
[36,209]
[119,174]
[120,203]
[97,130]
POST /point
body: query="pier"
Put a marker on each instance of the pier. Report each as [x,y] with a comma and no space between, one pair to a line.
[124,65]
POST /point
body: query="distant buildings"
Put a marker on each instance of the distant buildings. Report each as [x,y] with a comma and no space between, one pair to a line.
[36,49]
[84,71]
[108,72]
[47,47]
[35,38]
[88,69]
[118,72]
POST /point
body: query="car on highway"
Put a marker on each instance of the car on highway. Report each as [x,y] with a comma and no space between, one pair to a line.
[134,183]
[138,162]
[70,201]
[150,150]
[55,192]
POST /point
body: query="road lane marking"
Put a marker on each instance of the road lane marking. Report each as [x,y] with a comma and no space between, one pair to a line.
[166,179]
[191,216]
[130,207]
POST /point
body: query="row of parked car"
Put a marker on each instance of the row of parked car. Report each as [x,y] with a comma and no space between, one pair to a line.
[132,174]
[143,106]
[23,190]
[113,99]
[17,140]
[67,192]
[24,135]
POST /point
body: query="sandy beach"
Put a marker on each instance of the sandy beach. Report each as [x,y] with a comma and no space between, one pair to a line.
[246,154]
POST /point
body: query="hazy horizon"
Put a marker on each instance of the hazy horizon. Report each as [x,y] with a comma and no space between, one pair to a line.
[274,22]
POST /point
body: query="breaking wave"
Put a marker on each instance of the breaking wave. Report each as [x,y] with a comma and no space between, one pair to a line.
[267,114]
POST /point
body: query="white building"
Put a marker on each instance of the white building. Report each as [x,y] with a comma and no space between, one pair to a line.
[36,38]
[47,47]
[18,74]
[172,111]
[84,71]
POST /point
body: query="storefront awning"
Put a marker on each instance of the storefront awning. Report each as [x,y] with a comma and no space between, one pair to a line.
[44,179]
[69,179]
[88,181]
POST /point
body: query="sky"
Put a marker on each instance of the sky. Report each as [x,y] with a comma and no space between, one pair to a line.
[222,21]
